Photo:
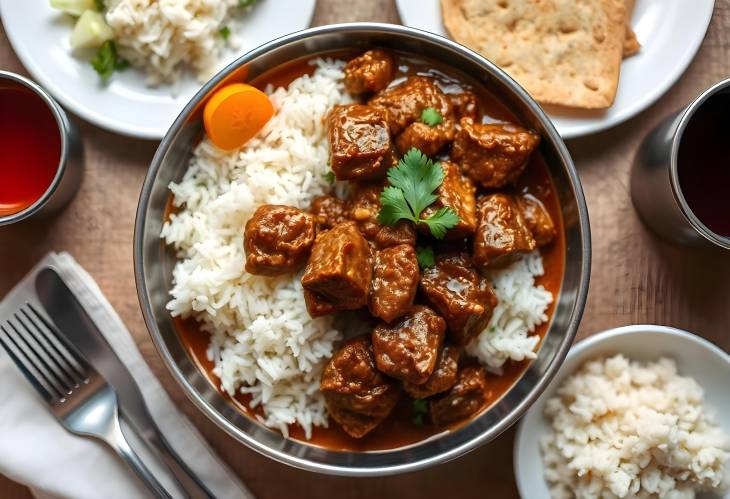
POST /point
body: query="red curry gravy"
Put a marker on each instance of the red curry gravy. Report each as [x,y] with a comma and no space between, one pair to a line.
[399,429]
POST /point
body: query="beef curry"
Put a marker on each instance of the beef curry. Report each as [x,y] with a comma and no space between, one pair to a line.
[422,314]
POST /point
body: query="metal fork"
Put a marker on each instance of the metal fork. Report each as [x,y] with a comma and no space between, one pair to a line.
[78,396]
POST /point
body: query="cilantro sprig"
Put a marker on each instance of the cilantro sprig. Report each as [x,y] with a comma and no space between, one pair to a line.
[413,182]
[106,60]
[431,116]
[425,257]
[224,32]
[420,409]
[329,177]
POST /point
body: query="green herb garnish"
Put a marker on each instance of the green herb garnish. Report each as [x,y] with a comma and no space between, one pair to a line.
[425,256]
[329,177]
[224,32]
[246,3]
[100,6]
[420,409]
[413,182]
[106,60]
[431,116]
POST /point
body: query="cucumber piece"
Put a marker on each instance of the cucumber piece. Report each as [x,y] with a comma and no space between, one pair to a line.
[73,7]
[91,31]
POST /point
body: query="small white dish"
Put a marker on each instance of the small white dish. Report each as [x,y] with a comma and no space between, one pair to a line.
[695,356]
[40,34]
[670,32]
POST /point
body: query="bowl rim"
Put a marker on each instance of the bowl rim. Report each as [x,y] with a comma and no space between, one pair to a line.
[584,346]
[516,412]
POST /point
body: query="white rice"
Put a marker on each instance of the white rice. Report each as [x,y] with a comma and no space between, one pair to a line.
[263,341]
[621,428]
[521,308]
[164,37]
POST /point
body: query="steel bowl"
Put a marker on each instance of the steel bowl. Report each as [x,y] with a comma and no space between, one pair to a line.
[154,262]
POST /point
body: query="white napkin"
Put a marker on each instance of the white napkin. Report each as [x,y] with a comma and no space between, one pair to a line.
[37,451]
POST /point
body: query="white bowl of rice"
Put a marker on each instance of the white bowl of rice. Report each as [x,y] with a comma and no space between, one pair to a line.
[636,411]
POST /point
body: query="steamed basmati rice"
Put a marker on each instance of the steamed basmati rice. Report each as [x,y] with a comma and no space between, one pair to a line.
[164,37]
[621,428]
[522,307]
[263,341]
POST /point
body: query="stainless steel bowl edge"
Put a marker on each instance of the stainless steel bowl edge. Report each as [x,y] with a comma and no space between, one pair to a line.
[152,262]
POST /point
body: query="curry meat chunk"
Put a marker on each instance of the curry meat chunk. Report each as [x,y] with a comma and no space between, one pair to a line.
[339,269]
[359,142]
[427,139]
[405,102]
[395,281]
[466,397]
[537,218]
[465,105]
[370,72]
[357,395]
[458,193]
[443,377]
[277,240]
[408,348]
[318,305]
[364,206]
[328,211]
[502,234]
[493,155]
[460,294]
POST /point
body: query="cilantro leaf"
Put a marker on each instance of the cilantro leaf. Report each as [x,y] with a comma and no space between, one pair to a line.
[99,4]
[424,254]
[224,32]
[393,206]
[420,409]
[329,177]
[106,60]
[413,182]
[246,3]
[417,176]
[431,116]
[441,221]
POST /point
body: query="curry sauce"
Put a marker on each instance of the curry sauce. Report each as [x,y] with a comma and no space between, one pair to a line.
[400,429]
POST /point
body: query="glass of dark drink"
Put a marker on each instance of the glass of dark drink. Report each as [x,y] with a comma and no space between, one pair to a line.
[40,151]
[680,181]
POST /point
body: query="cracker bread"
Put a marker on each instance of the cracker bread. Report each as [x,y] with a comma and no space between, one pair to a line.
[631,43]
[563,52]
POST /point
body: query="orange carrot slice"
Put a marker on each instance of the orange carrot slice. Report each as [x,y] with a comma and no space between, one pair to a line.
[234,114]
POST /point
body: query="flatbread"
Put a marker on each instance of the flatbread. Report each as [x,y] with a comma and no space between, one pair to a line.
[564,52]
[631,43]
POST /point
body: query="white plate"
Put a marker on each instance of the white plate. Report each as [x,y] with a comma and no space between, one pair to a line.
[40,37]
[670,32]
[695,356]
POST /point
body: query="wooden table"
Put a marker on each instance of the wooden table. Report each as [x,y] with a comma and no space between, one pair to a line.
[636,278]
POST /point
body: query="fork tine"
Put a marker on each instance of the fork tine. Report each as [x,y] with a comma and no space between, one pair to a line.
[43,389]
[61,355]
[30,337]
[33,348]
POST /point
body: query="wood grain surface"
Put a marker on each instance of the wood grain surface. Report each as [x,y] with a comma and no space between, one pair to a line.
[636,278]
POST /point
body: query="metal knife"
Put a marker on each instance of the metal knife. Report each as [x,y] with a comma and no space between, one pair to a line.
[75,324]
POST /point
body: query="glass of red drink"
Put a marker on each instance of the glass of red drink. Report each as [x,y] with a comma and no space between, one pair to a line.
[40,151]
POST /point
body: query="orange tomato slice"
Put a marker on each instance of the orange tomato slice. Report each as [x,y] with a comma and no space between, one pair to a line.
[234,114]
